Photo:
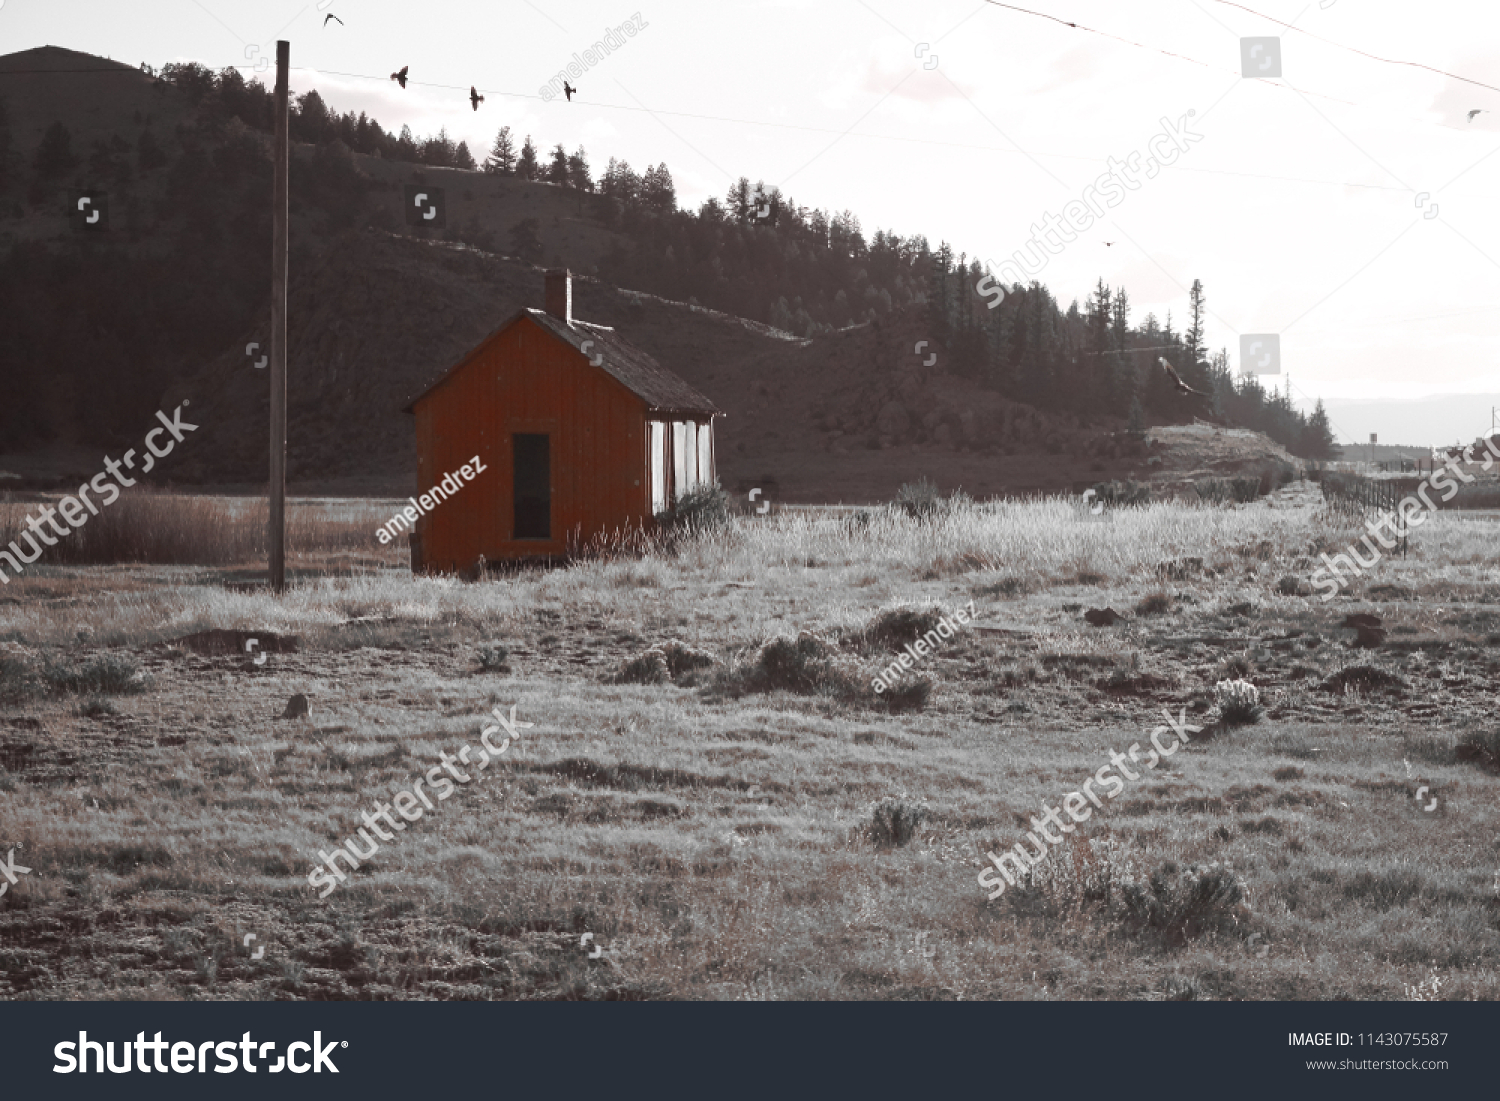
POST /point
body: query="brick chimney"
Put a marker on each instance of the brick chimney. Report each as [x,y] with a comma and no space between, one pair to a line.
[560,295]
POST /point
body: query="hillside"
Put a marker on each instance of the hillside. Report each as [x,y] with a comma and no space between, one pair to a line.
[107,328]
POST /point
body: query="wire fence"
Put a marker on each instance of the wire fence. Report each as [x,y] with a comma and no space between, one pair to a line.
[1354,497]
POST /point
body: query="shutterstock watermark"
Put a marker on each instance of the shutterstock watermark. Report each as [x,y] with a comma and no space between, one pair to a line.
[11,871]
[1165,147]
[614,38]
[1409,512]
[73,512]
[1076,803]
[405,803]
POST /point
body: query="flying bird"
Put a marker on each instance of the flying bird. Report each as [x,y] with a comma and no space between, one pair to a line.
[400,78]
[1182,387]
[1476,111]
[1109,244]
[329,16]
[475,99]
[569,89]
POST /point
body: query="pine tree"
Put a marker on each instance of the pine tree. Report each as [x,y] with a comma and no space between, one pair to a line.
[527,166]
[621,183]
[738,199]
[937,292]
[462,158]
[1317,438]
[440,151]
[657,190]
[310,119]
[1194,335]
[502,158]
[578,170]
[54,156]
[1136,425]
[557,170]
[406,146]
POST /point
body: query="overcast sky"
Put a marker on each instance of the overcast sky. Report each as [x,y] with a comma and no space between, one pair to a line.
[1343,206]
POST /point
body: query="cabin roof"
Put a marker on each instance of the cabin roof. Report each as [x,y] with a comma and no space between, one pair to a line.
[661,390]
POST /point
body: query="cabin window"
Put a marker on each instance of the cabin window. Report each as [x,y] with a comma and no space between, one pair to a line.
[684,456]
[706,453]
[658,467]
[532,486]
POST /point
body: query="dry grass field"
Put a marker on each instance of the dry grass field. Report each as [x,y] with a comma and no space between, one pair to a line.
[764,826]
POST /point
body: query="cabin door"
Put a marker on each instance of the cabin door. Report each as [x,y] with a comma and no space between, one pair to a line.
[532,489]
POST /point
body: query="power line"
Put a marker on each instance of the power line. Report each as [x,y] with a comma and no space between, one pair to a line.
[1105,34]
[1362,53]
[1220,68]
[760,122]
[828,130]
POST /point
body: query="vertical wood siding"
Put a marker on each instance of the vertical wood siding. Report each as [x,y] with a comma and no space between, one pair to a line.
[526,380]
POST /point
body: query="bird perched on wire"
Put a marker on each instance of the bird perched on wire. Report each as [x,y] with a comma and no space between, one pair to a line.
[1476,111]
[400,78]
[569,89]
[475,99]
[329,16]
[1182,387]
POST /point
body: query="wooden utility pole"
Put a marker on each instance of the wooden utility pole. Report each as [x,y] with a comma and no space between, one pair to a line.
[277,536]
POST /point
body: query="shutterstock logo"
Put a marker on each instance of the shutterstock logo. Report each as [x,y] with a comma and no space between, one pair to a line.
[1260,354]
[1260,57]
[74,1057]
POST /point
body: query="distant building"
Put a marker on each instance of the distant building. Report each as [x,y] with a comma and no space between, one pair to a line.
[579,433]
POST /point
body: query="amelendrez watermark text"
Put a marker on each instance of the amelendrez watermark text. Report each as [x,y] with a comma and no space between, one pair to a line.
[451,483]
[74,1057]
[925,645]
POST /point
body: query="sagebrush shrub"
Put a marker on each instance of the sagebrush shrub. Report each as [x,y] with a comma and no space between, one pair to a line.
[920,499]
[1123,494]
[1154,604]
[107,674]
[683,661]
[895,822]
[647,668]
[492,656]
[898,626]
[1482,748]
[697,511]
[18,678]
[1238,701]
[1183,902]
[809,665]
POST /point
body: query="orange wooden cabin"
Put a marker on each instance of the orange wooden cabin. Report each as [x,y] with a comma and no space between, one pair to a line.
[578,432]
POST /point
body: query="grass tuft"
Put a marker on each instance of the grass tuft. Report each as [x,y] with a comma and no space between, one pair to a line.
[897,627]
[896,822]
[1238,702]
[1183,903]
[1154,604]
